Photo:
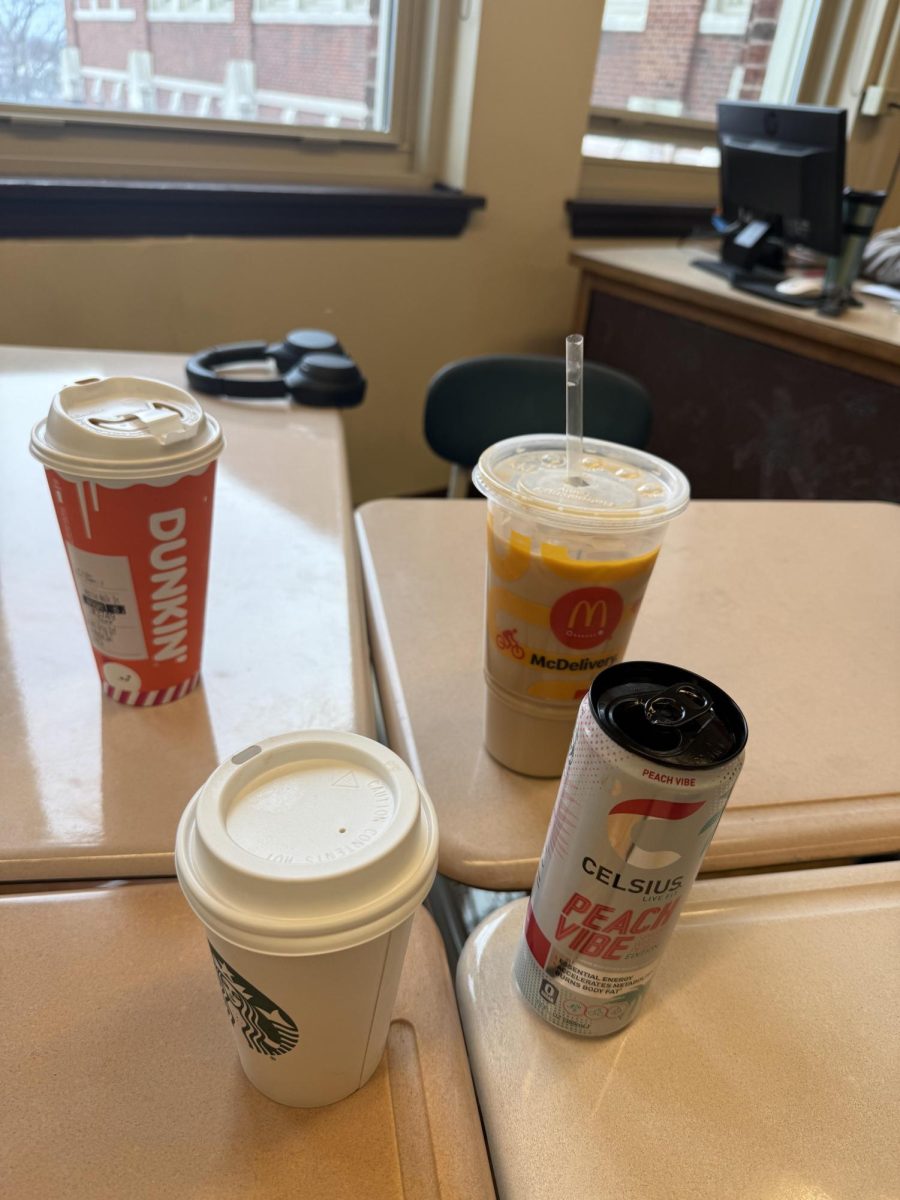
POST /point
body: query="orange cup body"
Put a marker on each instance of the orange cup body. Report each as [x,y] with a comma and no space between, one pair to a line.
[139,556]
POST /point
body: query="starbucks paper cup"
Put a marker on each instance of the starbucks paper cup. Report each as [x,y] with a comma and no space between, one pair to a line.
[131,468]
[306,857]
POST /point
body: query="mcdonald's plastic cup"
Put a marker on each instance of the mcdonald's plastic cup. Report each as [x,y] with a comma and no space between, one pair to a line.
[131,467]
[568,563]
[306,857]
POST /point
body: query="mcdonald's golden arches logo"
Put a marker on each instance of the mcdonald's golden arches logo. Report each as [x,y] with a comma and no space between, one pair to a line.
[586,617]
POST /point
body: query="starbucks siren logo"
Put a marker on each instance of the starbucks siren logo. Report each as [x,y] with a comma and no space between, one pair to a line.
[267,1028]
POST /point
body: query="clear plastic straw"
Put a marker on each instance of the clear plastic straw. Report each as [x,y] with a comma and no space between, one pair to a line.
[574,407]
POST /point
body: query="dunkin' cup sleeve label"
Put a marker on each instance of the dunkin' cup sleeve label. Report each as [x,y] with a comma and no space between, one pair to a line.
[139,557]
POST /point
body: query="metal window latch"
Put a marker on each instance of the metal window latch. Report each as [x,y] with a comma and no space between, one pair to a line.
[877,99]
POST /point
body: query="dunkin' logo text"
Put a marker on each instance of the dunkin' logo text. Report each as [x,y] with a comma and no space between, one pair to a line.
[586,617]
[168,601]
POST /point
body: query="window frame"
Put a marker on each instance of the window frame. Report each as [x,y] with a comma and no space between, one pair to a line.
[300,17]
[202,16]
[113,10]
[622,22]
[47,142]
[830,63]
[715,22]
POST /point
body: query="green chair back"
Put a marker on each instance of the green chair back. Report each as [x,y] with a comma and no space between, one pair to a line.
[478,401]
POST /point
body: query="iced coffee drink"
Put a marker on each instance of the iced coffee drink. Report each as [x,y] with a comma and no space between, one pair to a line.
[568,563]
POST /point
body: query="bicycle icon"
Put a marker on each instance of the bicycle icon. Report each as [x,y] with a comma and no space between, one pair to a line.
[507,641]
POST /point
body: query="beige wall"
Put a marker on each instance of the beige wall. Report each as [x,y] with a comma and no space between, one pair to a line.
[402,307]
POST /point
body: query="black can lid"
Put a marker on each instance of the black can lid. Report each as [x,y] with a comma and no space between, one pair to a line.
[668,715]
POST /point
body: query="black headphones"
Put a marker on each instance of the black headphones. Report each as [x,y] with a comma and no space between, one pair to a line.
[313,369]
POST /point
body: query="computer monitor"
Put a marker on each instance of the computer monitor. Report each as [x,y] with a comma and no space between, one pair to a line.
[781,182]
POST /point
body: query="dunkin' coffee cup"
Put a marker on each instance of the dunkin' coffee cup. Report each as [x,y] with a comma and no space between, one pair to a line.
[131,466]
[306,857]
[568,563]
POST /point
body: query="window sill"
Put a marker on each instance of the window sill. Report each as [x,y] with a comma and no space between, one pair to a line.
[601,218]
[197,18]
[722,25]
[99,208]
[630,180]
[613,24]
[289,18]
[606,149]
[104,14]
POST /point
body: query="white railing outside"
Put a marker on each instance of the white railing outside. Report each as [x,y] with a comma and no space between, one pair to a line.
[137,89]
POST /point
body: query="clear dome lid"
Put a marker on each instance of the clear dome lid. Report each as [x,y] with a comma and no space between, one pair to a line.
[619,485]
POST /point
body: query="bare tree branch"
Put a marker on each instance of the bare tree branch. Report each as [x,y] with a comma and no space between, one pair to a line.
[32,36]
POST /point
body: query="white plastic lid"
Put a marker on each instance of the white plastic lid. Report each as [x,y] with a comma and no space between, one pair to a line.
[307,843]
[125,427]
[623,487]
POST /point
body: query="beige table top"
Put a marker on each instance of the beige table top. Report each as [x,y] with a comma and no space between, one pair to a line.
[93,788]
[790,606]
[128,1082]
[763,1066]
[661,274]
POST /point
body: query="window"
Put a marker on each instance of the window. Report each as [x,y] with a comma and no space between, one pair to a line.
[102,10]
[683,58]
[313,12]
[625,15]
[336,92]
[659,76]
[727,17]
[331,68]
[651,128]
[190,10]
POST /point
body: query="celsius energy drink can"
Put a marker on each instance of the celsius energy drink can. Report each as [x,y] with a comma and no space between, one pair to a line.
[655,754]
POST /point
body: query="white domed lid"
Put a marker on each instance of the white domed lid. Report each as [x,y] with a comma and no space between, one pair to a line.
[306,843]
[124,427]
[619,486]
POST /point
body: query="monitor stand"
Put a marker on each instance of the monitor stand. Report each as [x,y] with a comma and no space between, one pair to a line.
[758,281]
[752,261]
[767,289]
[732,272]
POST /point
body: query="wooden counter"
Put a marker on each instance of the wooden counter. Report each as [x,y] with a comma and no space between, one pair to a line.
[865,340]
[791,607]
[94,789]
[127,1080]
[762,1064]
[751,398]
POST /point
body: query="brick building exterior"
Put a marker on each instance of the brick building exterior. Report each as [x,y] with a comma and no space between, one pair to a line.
[315,61]
[276,60]
[675,63]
